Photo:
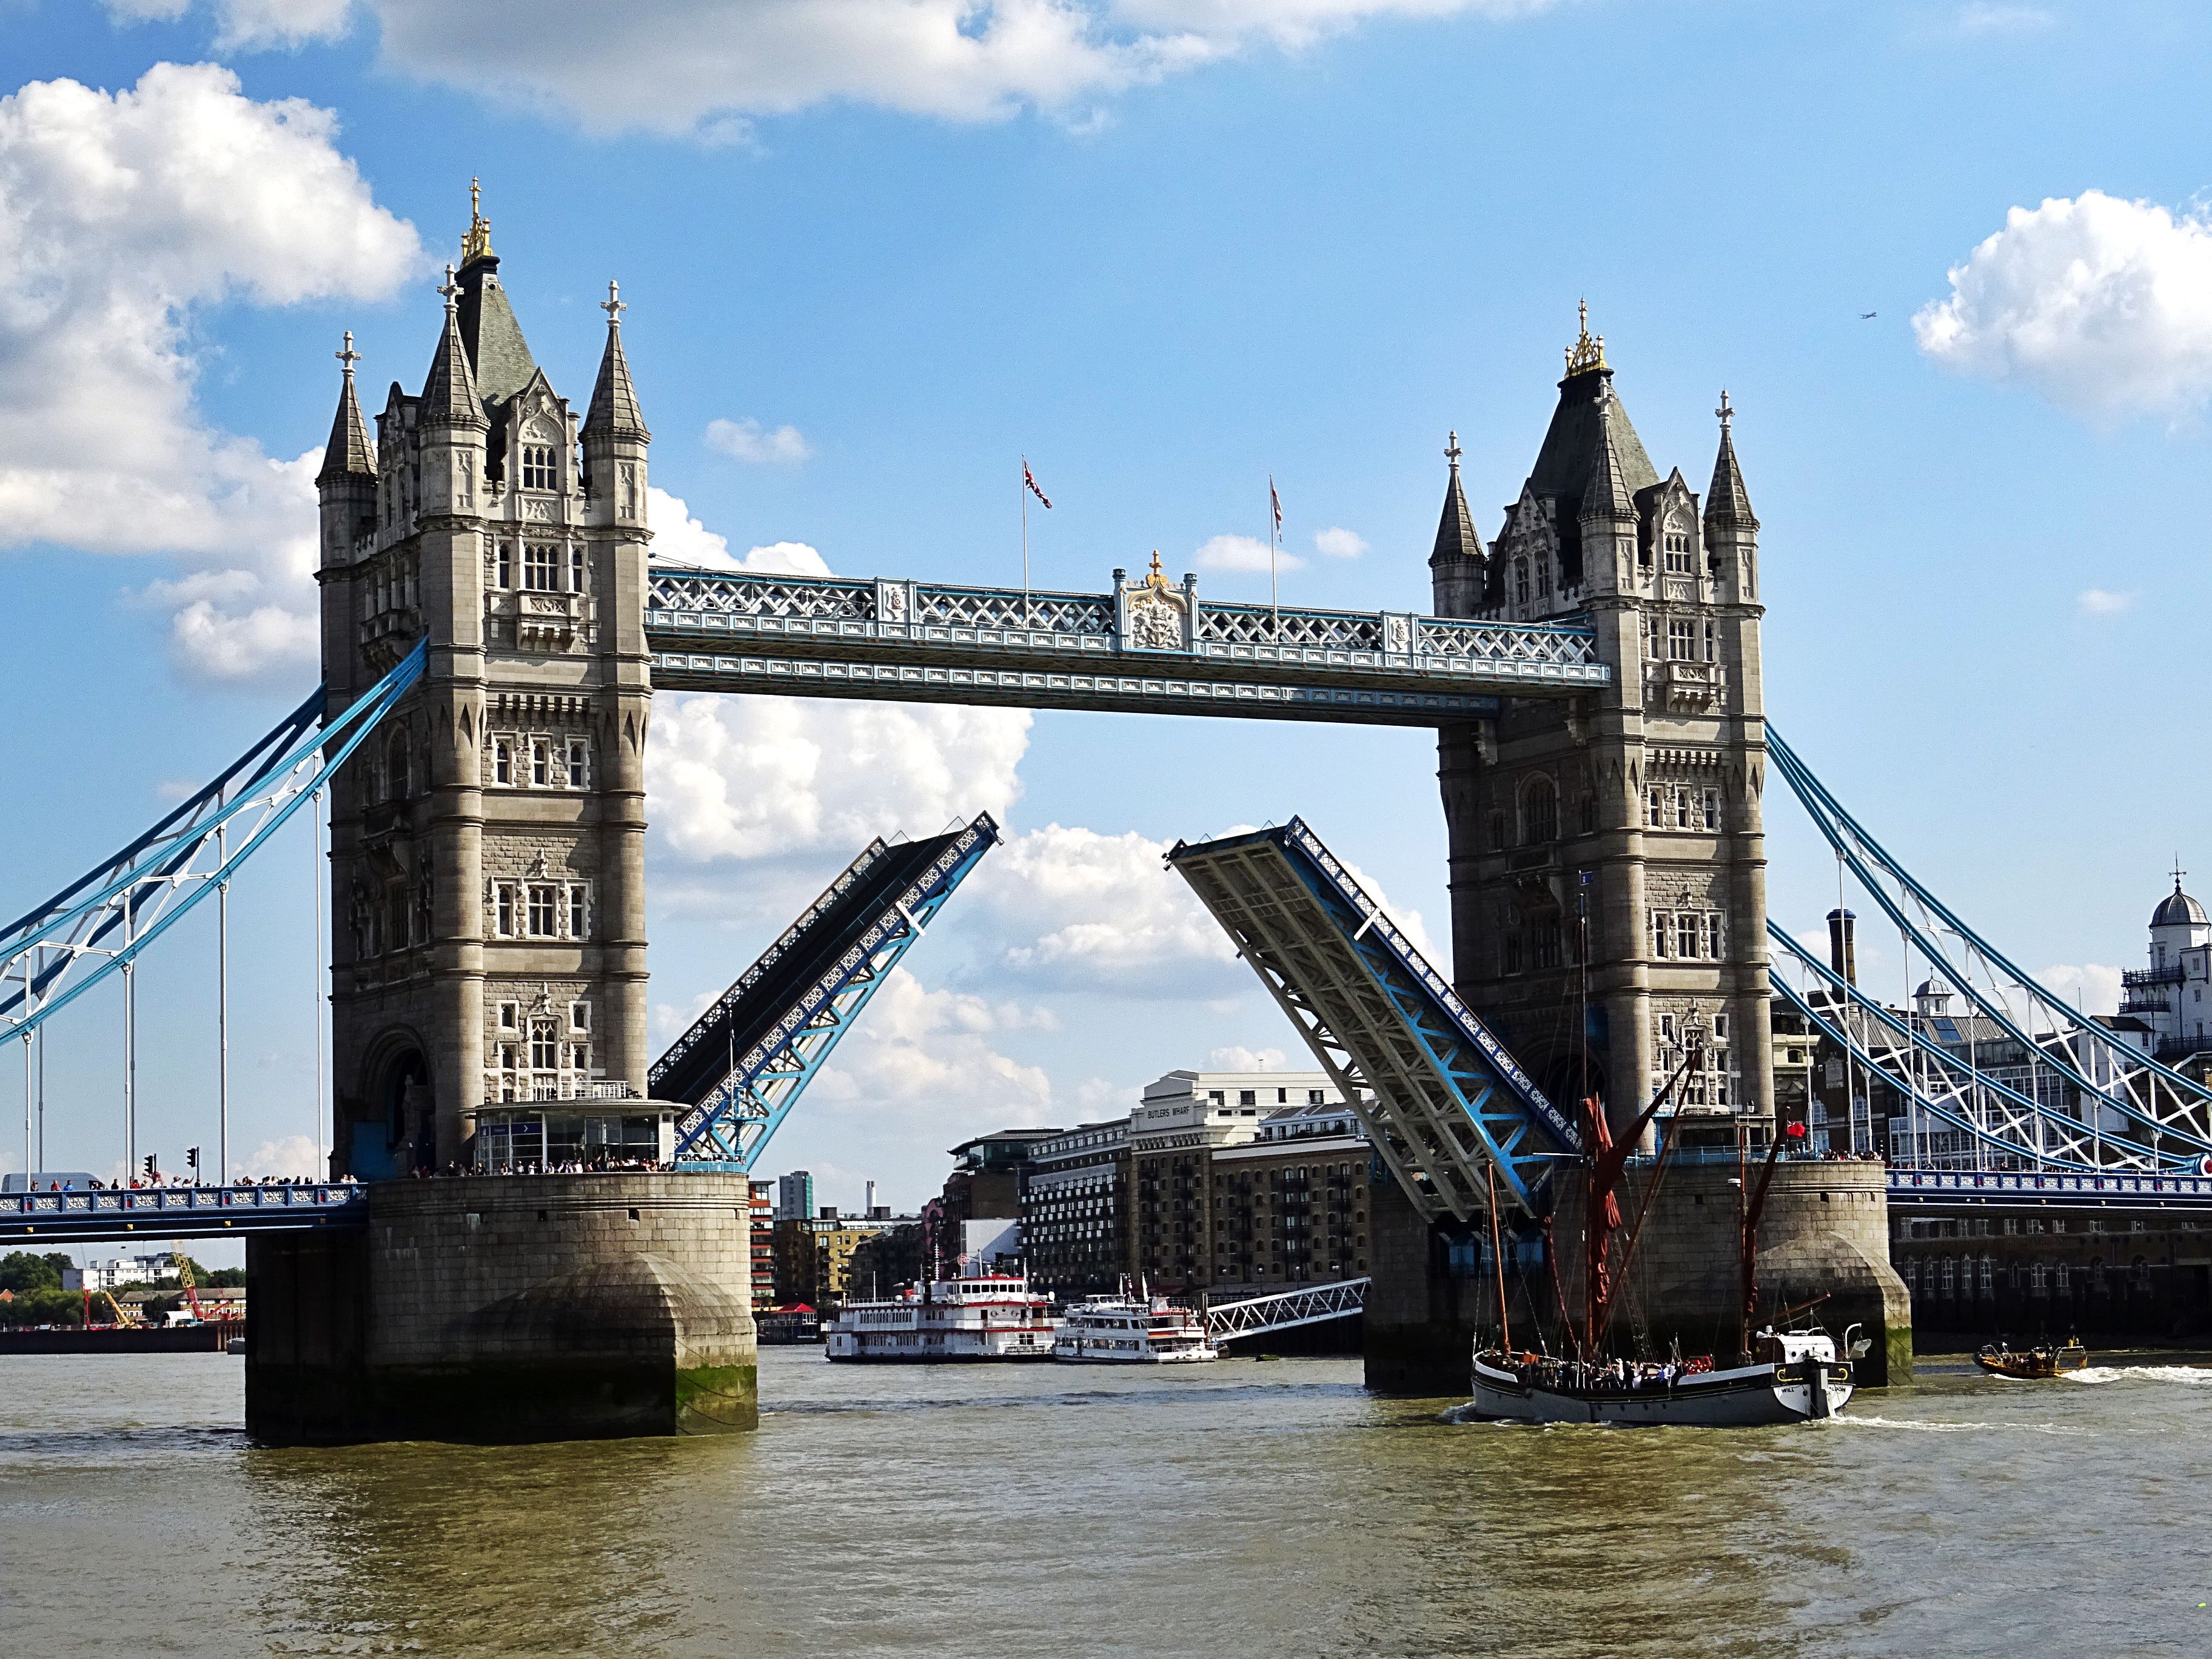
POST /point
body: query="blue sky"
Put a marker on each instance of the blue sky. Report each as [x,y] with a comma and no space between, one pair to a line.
[1166,248]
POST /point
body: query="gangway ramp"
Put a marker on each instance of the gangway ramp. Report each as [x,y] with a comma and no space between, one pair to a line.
[1284,1311]
[742,1066]
[1442,1099]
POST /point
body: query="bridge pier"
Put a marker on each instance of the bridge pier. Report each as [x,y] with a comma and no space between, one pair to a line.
[1825,1234]
[509,1308]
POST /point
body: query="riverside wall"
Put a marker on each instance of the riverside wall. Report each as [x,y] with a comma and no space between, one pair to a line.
[1824,1235]
[509,1308]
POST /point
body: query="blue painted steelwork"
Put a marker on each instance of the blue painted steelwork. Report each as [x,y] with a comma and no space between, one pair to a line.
[57,952]
[1950,1187]
[792,1006]
[2172,1114]
[117,1212]
[1150,645]
[1440,1096]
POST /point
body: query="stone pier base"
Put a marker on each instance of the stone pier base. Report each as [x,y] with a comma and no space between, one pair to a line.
[1825,1234]
[512,1308]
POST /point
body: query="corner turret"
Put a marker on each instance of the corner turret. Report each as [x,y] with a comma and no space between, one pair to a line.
[346,486]
[614,433]
[1731,530]
[1457,567]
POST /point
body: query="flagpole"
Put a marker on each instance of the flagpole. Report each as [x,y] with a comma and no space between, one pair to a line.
[1274,583]
[1024,488]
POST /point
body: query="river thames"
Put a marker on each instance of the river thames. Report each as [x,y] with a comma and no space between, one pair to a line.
[1245,1507]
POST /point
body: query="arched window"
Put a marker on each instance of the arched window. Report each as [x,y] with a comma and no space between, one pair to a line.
[1521,581]
[1678,547]
[1540,812]
[1588,814]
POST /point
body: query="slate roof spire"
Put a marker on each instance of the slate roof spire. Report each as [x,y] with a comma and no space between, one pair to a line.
[1610,494]
[614,412]
[1727,502]
[1456,534]
[349,453]
[449,395]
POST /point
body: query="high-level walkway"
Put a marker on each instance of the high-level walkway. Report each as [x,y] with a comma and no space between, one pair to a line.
[110,1214]
[1149,646]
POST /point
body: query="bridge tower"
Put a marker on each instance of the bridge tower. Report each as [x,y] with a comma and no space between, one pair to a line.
[487,861]
[1616,835]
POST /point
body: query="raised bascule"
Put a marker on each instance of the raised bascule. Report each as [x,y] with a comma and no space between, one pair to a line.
[493,630]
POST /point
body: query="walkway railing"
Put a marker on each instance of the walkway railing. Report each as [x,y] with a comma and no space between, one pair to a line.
[1306,1304]
[108,1212]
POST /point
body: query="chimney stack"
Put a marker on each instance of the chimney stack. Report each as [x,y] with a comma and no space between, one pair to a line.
[1843,946]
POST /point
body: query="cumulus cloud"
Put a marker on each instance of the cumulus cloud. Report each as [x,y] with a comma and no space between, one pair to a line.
[933,1055]
[291,1155]
[679,539]
[749,442]
[1241,553]
[121,215]
[2102,306]
[743,777]
[1071,908]
[704,67]
[1985,18]
[2093,986]
[2098,602]
[1341,544]
[1237,1058]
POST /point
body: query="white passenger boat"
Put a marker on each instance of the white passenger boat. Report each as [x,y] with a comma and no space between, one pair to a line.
[993,1316]
[1798,1377]
[1127,1330]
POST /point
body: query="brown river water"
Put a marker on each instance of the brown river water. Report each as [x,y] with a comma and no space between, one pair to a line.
[1245,1507]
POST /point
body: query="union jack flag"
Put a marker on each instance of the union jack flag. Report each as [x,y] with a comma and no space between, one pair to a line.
[1032,483]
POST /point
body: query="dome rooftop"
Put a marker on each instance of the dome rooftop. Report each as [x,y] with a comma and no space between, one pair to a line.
[2178,909]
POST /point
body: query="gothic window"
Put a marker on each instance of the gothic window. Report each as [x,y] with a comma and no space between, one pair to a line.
[510,1017]
[1659,925]
[1682,640]
[506,911]
[577,912]
[1682,809]
[1588,812]
[506,559]
[580,1057]
[1678,548]
[575,570]
[541,764]
[1712,809]
[1513,952]
[1496,832]
[537,466]
[1686,936]
[544,1046]
[579,763]
[580,1016]
[1716,932]
[397,770]
[502,762]
[1712,643]
[538,567]
[2065,1276]
[1547,942]
[544,912]
[1655,809]
[1521,581]
[1543,577]
[1539,813]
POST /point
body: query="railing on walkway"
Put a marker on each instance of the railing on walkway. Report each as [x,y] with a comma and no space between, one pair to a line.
[106,1213]
[1910,1187]
[1306,1304]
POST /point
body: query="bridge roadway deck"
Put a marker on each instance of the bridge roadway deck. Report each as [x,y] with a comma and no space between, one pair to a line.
[108,1213]
[1949,1188]
[1146,647]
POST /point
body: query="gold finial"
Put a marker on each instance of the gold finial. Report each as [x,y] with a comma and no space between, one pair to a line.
[1586,354]
[348,356]
[477,245]
[1159,577]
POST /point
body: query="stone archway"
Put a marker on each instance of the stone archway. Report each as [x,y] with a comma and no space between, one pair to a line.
[394,1131]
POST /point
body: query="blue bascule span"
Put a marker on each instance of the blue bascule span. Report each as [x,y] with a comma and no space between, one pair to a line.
[745,1061]
[1444,1101]
[110,1214]
[1149,646]
[2055,1092]
[102,923]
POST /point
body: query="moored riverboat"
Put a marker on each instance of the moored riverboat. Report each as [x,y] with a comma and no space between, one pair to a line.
[1796,1377]
[991,1316]
[1126,1330]
[2032,1365]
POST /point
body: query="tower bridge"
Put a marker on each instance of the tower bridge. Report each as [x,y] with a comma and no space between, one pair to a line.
[493,631]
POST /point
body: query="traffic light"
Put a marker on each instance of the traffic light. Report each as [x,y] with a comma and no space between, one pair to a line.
[151,1172]
[192,1158]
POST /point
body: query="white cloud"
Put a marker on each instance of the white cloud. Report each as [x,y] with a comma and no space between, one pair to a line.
[1241,553]
[679,539]
[704,67]
[2098,602]
[2094,987]
[743,777]
[293,1155]
[1074,907]
[121,215]
[2102,306]
[749,442]
[1341,544]
[926,1054]
[1985,19]
[1237,1058]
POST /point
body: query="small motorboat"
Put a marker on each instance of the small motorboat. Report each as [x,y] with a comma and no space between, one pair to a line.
[2028,1364]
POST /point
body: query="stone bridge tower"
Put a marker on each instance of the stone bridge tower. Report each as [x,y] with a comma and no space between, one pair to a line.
[487,856]
[1614,840]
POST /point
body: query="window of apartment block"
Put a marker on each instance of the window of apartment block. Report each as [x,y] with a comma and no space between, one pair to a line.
[538,567]
[537,466]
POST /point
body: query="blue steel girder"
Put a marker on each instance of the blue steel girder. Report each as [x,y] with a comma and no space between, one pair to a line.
[733,1121]
[1150,646]
[1443,1101]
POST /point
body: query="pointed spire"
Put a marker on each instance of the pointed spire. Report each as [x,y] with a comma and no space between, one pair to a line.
[348,452]
[1727,502]
[1455,536]
[614,412]
[1610,495]
[449,396]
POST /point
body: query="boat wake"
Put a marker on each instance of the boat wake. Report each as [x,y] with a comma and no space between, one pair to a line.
[2189,1375]
[1923,1425]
